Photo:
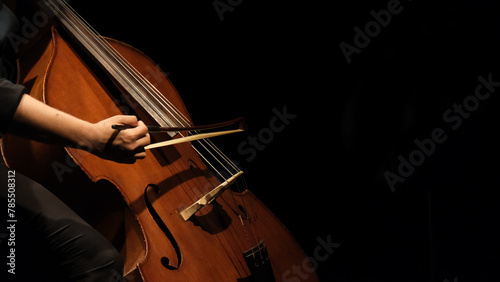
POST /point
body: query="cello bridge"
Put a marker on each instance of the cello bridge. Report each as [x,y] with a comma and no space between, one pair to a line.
[208,198]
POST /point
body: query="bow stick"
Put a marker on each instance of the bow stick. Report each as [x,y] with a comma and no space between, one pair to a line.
[156,129]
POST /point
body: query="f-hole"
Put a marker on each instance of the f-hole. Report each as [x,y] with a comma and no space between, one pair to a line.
[164,260]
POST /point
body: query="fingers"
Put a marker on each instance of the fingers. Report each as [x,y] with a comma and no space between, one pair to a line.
[138,132]
[140,154]
[128,120]
[119,145]
[133,140]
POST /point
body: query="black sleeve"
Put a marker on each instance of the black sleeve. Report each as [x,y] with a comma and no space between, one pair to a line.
[10,96]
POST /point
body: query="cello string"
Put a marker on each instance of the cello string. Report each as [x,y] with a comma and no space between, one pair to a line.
[228,161]
[213,168]
[217,159]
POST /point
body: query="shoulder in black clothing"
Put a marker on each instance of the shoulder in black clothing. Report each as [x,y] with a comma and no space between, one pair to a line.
[10,96]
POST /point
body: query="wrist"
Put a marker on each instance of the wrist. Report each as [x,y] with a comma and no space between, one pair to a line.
[88,136]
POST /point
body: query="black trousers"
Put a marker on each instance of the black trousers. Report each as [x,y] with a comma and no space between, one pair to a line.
[44,240]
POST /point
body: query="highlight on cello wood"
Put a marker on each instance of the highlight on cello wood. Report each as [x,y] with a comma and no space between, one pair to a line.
[184,213]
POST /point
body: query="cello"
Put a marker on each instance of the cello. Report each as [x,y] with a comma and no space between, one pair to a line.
[184,213]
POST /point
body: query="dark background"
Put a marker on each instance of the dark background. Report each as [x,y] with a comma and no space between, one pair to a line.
[323,175]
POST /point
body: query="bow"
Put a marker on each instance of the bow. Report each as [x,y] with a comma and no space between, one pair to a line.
[157,129]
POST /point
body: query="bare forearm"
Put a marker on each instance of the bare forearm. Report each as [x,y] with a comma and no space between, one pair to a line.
[34,119]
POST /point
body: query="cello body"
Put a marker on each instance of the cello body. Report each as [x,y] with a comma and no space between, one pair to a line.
[137,206]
